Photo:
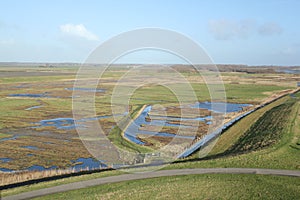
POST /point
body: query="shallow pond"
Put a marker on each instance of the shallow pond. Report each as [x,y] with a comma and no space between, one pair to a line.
[288,71]
[82,164]
[133,129]
[59,123]
[39,168]
[87,163]
[33,107]
[69,123]
[5,159]
[86,89]
[220,107]
[29,95]
[31,147]
[9,138]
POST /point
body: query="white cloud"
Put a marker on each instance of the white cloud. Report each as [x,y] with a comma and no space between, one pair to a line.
[227,29]
[270,28]
[78,30]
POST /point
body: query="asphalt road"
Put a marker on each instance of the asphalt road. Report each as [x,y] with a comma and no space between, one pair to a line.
[138,176]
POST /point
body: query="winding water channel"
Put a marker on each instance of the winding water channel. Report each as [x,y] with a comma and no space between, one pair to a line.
[133,130]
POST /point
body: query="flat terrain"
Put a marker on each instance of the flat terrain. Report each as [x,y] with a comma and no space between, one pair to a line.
[282,153]
[27,143]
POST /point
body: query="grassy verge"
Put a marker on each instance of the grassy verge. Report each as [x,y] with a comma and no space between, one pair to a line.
[59,182]
[203,187]
[116,137]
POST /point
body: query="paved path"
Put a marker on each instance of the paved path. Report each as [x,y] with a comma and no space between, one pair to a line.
[138,176]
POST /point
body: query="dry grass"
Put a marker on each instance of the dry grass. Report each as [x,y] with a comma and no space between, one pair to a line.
[21,176]
[16,121]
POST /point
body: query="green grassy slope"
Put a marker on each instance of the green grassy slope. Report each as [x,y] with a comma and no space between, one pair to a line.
[273,140]
[221,186]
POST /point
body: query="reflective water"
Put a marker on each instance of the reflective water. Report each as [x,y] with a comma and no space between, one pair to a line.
[82,164]
[5,159]
[69,123]
[9,138]
[30,147]
[133,129]
[29,95]
[289,71]
[220,107]
[86,89]
[87,163]
[6,170]
[59,123]
[33,107]
[39,168]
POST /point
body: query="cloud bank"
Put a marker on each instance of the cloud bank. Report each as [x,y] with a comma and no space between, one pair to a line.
[224,29]
[78,30]
[270,28]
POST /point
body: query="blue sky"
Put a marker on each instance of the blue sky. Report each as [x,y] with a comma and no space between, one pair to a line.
[242,32]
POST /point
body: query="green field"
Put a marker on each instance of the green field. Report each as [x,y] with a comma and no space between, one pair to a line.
[193,187]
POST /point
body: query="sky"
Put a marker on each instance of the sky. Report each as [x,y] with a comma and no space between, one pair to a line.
[251,32]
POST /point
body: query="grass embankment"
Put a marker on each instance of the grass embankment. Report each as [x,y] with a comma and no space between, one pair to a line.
[266,131]
[231,136]
[116,135]
[271,141]
[215,186]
